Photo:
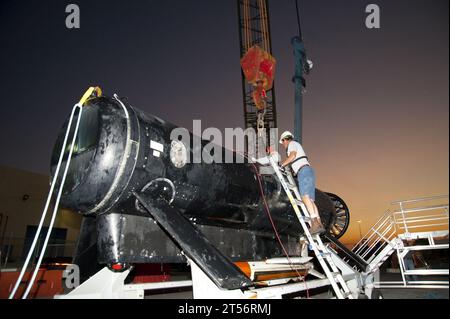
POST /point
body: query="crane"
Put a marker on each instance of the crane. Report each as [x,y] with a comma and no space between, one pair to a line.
[254,31]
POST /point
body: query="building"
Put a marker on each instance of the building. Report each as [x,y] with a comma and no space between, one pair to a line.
[22,199]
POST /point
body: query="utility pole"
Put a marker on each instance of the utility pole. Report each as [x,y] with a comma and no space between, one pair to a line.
[302,67]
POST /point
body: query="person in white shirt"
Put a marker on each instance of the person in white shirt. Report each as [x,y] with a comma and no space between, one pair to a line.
[298,160]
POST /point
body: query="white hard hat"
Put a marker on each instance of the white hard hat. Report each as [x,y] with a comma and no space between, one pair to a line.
[284,135]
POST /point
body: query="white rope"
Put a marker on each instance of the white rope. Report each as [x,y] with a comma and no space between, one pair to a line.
[44,213]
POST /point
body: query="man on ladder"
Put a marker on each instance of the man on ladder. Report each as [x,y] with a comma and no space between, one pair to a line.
[298,160]
[300,200]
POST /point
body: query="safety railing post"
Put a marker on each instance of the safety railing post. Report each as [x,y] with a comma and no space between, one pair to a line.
[404,218]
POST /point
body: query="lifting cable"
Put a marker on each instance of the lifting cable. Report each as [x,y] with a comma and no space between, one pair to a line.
[298,20]
[265,25]
[262,26]
[244,26]
[247,35]
[79,107]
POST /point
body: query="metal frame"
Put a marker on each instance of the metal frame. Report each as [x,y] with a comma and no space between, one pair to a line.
[407,223]
[107,284]
[204,288]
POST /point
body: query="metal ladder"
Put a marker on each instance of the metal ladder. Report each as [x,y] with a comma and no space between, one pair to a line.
[320,250]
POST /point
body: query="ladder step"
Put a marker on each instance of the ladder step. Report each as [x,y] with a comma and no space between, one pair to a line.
[346,294]
[322,255]
[305,218]
[291,186]
[334,275]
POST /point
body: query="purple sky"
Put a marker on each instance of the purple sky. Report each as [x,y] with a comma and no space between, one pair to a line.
[375,114]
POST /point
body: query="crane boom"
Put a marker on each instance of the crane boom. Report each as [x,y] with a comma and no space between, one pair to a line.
[254,30]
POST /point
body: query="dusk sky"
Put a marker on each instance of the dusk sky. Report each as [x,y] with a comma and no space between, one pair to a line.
[376,110]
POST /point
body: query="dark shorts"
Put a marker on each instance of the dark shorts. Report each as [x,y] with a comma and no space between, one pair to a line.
[307,182]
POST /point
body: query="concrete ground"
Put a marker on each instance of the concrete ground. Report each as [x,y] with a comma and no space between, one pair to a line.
[391,293]
[412,293]
[409,293]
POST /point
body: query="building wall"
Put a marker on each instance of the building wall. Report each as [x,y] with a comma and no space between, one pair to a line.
[22,199]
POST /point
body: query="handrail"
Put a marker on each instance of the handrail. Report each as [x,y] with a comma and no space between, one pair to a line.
[419,199]
[401,222]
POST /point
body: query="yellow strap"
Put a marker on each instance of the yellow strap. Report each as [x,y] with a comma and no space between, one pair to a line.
[90,93]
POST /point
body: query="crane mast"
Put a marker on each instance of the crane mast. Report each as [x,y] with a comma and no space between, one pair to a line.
[254,30]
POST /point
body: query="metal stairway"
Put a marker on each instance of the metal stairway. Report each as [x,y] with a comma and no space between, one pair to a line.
[320,250]
[346,254]
[396,228]
[379,244]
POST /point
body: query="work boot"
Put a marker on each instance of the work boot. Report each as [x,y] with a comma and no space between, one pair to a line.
[316,227]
